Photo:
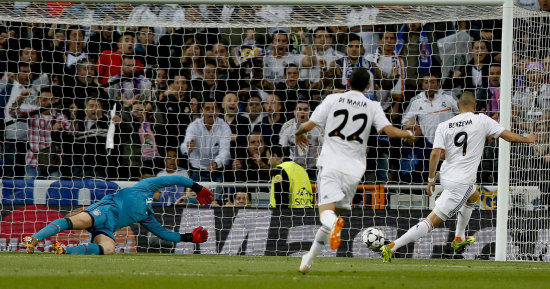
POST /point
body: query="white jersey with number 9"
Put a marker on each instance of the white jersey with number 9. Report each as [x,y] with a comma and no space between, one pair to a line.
[463,139]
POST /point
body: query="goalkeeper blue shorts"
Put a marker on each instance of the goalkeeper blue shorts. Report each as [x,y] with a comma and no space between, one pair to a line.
[104,214]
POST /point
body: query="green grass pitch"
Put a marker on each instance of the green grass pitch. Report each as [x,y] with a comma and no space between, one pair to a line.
[18,270]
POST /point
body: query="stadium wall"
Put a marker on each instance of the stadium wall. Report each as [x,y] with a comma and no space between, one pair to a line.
[27,206]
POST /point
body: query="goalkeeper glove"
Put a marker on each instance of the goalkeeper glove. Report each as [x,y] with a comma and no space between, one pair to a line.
[204,195]
[198,235]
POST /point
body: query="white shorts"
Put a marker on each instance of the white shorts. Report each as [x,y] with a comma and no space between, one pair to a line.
[336,187]
[453,197]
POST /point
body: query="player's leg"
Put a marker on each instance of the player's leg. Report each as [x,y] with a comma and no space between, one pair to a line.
[416,232]
[463,218]
[80,221]
[330,192]
[453,197]
[320,240]
[103,244]
[444,206]
[330,189]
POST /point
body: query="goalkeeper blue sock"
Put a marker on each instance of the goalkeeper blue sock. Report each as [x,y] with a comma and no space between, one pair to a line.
[53,228]
[86,249]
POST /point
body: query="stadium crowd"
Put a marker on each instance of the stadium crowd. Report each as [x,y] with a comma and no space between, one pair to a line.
[222,104]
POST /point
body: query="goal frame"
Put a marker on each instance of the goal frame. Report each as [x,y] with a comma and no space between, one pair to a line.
[506,76]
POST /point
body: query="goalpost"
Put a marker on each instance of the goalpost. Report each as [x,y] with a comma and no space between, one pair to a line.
[388,197]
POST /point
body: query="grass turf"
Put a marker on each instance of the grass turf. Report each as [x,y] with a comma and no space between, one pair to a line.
[18,270]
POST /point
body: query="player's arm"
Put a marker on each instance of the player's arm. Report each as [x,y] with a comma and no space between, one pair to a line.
[301,139]
[204,196]
[514,137]
[198,235]
[434,161]
[394,132]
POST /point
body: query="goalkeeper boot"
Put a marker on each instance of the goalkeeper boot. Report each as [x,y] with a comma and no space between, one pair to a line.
[30,244]
[459,245]
[59,249]
[387,254]
[307,261]
[334,238]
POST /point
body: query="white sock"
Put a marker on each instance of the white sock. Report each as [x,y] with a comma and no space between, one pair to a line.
[328,219]
[321,238]
[463,219]
[414,233]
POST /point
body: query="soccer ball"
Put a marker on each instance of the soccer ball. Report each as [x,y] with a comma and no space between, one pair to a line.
[373,238]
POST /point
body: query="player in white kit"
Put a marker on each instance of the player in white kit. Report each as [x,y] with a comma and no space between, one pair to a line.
[461,140]
[347,119]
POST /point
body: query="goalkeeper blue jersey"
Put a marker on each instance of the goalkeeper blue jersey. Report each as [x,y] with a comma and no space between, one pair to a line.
[133,205]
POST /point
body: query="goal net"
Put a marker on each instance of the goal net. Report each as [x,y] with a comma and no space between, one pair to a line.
[529,166]
[95,96]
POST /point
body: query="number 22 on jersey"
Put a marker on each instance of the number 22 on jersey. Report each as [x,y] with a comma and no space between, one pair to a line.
[356,136]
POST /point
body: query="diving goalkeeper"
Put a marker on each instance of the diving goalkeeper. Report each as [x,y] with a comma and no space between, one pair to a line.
[121,209]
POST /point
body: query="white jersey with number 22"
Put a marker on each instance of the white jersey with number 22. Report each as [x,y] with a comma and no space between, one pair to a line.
[347,119]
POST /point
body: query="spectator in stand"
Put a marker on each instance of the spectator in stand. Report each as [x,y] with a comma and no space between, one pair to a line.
[175,105]
[90,158]
[393,75]
[206,146]
[32,57]
[228,70]
[416,44]
[323,40]
[192,59]
[146,46]
[161,80]
[15,134]
[4,45]
[531,104]
[368,33]
[210,87]
[238,124]
[254,112]
[475,74]
[78,88]
[74,48]
[257,165]
[171,163]
[291,89]
[488,100]
[240,200]
[104,39]
[429,108]
[273,121]
[489,103]
[43,156]
[138,150]
[30,34]
[340,70]
[305,157]
[54,47]
[130,85]
[109,63]
[279,57]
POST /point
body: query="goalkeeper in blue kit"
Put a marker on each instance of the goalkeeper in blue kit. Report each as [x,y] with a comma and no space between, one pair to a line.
[124,208]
